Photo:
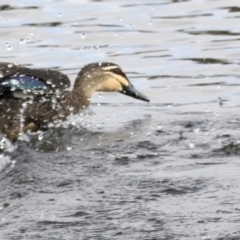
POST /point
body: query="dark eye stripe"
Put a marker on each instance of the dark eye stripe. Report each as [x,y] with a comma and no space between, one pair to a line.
[118,72]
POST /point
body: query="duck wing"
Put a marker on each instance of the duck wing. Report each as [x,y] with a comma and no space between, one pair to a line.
[19,81]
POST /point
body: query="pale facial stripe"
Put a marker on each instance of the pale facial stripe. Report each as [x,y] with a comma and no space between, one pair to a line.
[117,76]
[108,68]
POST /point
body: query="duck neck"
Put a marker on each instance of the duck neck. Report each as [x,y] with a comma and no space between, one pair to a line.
[78,100]
[84,86]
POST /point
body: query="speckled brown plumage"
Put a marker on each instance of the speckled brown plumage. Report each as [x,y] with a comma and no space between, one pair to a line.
[36,111]
[40,111]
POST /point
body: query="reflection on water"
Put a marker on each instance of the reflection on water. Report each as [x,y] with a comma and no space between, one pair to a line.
[164,170]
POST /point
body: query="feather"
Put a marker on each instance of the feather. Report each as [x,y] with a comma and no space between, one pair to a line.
[22,82]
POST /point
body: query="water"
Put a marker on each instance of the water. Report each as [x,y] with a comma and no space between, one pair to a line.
[164,170]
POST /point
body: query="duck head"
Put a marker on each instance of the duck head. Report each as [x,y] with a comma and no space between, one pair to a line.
[106,77]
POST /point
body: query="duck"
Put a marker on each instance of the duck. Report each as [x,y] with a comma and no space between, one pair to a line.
[31,98]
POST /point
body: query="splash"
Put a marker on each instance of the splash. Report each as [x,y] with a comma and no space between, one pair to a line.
[6,147]
[81,120]
[4,161]
[55,137]
[59,134]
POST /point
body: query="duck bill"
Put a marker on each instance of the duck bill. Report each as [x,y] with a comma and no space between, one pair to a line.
[133,92]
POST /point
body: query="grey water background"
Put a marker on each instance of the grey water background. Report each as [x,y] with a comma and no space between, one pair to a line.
[169,169]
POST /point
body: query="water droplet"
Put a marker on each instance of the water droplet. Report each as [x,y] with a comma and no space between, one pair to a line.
[150,23]
[14,82]
[191,145]
[69,148]
[24,104]
[120,19]
[22,41]
[59,15]
[40,137]
[197,130]
[9,47]
[83,36]
[13,163]
[30,36]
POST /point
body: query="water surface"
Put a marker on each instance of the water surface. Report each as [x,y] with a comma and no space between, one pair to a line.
[132,170]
